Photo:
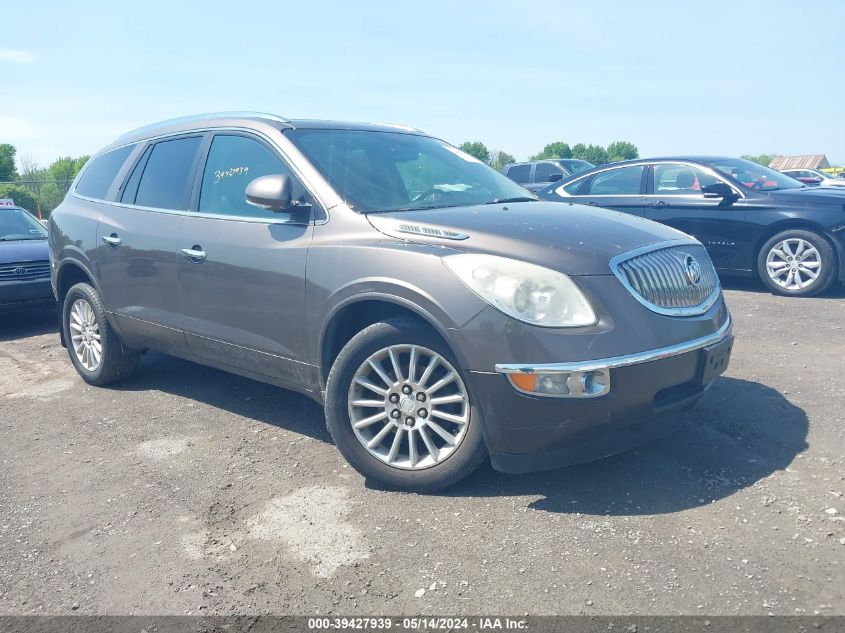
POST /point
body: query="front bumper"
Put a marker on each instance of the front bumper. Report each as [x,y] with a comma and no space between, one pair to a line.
[648,393]
[22,295]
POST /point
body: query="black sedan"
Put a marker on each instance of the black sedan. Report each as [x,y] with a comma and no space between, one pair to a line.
[752,219]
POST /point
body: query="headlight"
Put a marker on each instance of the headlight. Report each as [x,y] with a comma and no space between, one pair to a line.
[526,292]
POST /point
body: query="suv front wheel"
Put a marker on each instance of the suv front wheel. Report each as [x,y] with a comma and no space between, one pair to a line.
[94,348]
[399,409]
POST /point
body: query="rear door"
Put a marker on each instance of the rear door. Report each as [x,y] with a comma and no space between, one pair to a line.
[675,198]
[138,263]
[242,269]
[617,188]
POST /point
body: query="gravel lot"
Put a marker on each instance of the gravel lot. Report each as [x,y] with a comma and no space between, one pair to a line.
[188,490]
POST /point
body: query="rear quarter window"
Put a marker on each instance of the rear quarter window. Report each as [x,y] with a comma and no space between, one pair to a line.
[99,174]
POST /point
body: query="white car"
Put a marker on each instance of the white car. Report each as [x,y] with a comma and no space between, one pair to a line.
[814,177]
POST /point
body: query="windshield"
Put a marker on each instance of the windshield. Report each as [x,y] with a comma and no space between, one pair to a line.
[387,171]
[17,224]
[576,166]
[754,176]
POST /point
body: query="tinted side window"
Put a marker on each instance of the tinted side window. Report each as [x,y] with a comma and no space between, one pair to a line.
[99,175]
[233,162]
[543,172]
[520,173]
[167,177]
[617,182]
[573,187]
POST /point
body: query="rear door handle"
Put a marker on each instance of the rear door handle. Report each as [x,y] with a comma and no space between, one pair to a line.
[195,253]
[112,240]
[591,204]
[659,204]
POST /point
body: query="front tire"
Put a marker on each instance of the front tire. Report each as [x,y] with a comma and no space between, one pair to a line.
[95,350]
[400,410]
[797,263]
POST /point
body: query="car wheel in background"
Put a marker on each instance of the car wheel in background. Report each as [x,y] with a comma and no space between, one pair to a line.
[94,348]
[797,263]
[400,410]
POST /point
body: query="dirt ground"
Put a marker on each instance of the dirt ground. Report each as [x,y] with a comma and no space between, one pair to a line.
[188,490]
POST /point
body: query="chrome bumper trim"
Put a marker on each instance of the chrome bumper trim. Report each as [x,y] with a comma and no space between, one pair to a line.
[619,361]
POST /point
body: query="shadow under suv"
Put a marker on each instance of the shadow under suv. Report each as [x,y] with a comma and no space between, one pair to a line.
[437,309]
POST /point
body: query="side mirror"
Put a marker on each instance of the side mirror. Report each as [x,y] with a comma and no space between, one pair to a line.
[271,192]
[555,177]
[718,190]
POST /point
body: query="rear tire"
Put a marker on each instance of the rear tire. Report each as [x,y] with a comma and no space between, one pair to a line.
[94,347]
[797,263]
[435,438]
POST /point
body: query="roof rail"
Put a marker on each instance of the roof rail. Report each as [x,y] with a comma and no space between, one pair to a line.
[240,114]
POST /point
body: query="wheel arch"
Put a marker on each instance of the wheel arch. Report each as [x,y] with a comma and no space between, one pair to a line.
[70,273]
[354,314]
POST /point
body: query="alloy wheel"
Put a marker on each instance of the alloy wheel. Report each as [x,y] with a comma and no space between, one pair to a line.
[408,407]
[793,264]
[85,335]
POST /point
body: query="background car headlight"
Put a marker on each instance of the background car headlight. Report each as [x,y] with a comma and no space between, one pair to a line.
[526,292]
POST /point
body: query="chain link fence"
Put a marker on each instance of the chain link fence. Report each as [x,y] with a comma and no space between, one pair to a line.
[38,196]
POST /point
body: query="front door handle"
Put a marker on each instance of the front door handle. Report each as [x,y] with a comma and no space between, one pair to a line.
[112,240]
[591,204]
[195,253]
[659,204]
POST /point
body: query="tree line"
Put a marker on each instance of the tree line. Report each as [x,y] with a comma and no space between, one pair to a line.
[596,154]
[34,187]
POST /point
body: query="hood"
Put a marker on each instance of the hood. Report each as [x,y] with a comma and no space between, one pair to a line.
[24,251]
[571,238]
[811,195]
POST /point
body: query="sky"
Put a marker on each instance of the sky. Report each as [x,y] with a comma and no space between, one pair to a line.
[691,77]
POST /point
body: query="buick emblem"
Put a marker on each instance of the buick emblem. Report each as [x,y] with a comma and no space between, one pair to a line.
[407,405]
[693,269]
[20,271]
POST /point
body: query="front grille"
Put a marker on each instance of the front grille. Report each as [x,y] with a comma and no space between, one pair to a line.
[21,271]
[675,279]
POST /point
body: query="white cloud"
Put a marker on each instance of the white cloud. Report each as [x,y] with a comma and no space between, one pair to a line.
[16,57]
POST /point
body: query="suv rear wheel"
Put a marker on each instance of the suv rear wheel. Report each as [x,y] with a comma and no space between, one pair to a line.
[797,263]
[399,409]
[94,348]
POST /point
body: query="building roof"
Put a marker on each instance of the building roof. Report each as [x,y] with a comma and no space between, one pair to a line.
[807,161]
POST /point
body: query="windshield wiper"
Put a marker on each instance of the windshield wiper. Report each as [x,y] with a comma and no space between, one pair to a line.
[18,239]
[515,199]
[423,208]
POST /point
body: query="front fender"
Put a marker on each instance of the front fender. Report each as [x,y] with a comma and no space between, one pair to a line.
[421,284]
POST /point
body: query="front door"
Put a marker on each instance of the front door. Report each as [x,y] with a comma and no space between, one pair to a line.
[675,198]
[138,263]
[242,269]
